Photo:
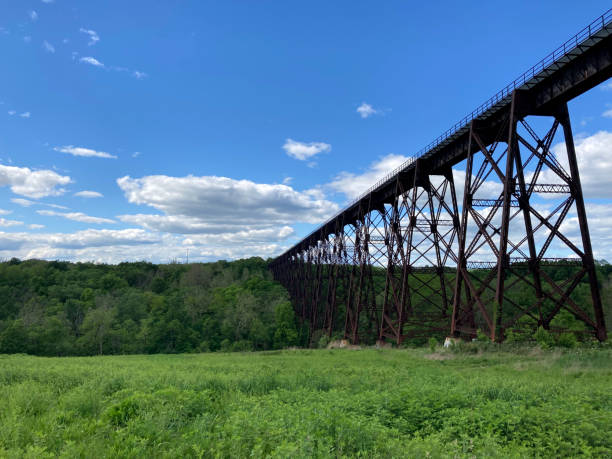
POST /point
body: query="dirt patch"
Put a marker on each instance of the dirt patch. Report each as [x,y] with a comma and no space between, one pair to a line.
[342,344]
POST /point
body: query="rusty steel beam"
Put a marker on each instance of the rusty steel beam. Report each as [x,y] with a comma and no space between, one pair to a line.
[402,262]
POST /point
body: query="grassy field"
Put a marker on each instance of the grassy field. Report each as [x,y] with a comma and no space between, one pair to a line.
[309,403]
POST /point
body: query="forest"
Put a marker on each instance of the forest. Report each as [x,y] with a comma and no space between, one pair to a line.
[58,308]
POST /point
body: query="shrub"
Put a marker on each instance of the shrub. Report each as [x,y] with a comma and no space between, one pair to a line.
[482,336]
[567,340]
[516,337]
[433,343]
[544,338]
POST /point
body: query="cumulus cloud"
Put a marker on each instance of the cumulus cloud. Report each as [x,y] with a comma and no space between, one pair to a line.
[31,183]
[607,113]
[48,47]
[220,204]
[81,239]
[91,61]
[304,151]
[353,185]
[12,112]
[139,75]
[25,115]
[93,36]
[179,224]
[89,194]
[75,216]
[33,15]
[114,246]
[253,236]
[80,151]
[594,156]
[366,110]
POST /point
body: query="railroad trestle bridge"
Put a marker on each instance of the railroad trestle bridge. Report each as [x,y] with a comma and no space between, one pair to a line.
[429,251]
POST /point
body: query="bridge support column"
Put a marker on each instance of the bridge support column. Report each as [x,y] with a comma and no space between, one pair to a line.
[421,228]
[506,241]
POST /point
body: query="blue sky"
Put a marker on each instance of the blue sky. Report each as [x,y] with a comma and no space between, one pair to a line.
[230,129]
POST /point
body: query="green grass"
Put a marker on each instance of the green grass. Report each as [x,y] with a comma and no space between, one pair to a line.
[309,403]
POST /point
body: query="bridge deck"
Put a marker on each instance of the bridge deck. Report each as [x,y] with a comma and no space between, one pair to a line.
[581,63]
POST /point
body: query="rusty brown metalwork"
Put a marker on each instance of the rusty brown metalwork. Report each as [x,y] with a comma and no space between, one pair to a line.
[405,260]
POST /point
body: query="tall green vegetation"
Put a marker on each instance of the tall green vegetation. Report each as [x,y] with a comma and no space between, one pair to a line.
[310,403]
[59,308]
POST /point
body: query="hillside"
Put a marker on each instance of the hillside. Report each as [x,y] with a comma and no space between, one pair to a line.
[60,308]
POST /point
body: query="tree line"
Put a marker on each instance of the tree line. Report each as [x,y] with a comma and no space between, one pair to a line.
[58,308]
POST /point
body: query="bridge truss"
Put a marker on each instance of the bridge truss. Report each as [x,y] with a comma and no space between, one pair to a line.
[430,251]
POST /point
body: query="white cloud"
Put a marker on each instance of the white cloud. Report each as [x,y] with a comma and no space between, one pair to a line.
[89,194]
[33,15]
[253,236]
[75,216]
[353,185]
[12,112]
[607,86]
[93,36]
[5,212]
[23,202]
[224,207]
[607,113]
[287,180]
[114,246]
[48,1]
[303,151]
[25,115]
[48,47]
[36,226]
[136,154]
[27,39]
[222,200]
[599,217]
[366,110]
[96,63]
[91,61]
[80,151]
[33,184]
[594,156]
[66,245]
[28,203]
[5,222]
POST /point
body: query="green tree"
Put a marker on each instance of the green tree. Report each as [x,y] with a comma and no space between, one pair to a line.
[97,326]
[286,333]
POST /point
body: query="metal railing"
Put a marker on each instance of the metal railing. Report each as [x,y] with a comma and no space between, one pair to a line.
[593,28]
